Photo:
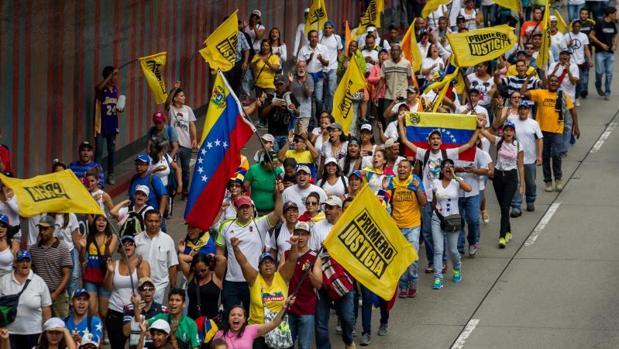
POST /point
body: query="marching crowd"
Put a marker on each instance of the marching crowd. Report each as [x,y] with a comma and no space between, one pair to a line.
[260,277]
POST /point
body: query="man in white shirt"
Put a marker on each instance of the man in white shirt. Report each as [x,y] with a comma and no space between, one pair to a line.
[298,192]
[530,138]
[334,46]
[578,43]
[473,107]
[315,56]
[253,234]
[320,230]
[300,39]
[568,74]
[159,250]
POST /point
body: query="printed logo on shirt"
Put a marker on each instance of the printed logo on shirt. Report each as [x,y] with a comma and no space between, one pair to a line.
[47,191]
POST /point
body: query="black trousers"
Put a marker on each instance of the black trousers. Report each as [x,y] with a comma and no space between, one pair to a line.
[505,184]
[114,326]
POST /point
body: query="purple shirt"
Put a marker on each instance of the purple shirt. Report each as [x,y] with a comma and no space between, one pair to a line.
[109,115]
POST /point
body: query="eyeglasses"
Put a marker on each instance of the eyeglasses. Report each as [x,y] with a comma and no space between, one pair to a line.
[147,289]
[311,203]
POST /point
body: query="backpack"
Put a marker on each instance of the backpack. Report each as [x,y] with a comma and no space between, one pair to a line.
[335,280]
[426,157]
[134,224]
[172,182]
[8,306]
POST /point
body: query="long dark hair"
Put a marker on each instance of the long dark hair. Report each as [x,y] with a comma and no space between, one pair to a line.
[325,175]
[443,163]
[279,39]
[227,322]
[91,238]
[347,158]
[207,259]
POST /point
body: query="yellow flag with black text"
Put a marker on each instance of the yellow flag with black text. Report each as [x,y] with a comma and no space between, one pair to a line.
[371,16]
[513,5]
[220,50]
[481,45]
[152,67]
[352,82]
[58,192]
[368,244]
[431,6]
[316,17]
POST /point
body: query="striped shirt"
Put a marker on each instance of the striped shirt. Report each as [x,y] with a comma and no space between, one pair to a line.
[514,83]
[48,262]
[396,77]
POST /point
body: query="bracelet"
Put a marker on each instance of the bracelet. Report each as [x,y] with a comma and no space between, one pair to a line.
[459,179]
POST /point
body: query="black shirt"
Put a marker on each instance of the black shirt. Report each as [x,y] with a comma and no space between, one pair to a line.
[279,118]
[605,32]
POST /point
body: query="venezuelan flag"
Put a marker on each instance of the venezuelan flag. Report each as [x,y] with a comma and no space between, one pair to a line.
[456,130]
[225,133]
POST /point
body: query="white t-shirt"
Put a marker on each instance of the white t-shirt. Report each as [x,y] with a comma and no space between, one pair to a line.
[333,44]
[392,130]
[527,132]
[432,169]
[282,243]
[11,209]
[253,238]
[66,234]
[428,62]
[319,233]
[470,178]
[314,65]
[327,151]
[255,44]
[477,109]
[578,42]
[487,159]
[507,156]
[471,24]
[566,85]
[298,195]
[446,198]
[483,86]
[180,119]
[163,175]
[29,318]
[555,43]
[338,189]
[160,253]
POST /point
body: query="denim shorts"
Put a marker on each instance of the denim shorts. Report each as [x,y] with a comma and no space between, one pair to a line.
[98,289]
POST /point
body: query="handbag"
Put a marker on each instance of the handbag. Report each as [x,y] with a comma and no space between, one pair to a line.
[451,223]
[8,306]
[281,336]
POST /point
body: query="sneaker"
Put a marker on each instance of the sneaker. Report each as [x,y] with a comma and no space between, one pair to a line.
[473,250]
[508,237]
[577,102]
[110,179]
[403,293]
[354,332]
[485,217]
[338,329]
[531,207]
[429,269]
[365,340]
[457,276]
[502,242]
[438,283]
[599,90]
[548,187]
[382,330]
[515,213]
[559,184]
[412,292]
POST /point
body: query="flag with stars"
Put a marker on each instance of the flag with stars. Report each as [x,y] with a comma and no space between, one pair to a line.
[456,130]
[226,131]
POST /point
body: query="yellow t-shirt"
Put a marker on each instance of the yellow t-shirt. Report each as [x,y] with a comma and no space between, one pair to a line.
[511,71]
[265,77]
[405,208]
[547,116]
[261,294]
[302,157]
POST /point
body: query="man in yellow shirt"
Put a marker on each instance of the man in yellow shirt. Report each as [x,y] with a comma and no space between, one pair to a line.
[553,115]
[407,199]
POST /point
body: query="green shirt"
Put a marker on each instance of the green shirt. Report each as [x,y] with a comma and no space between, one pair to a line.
[186,332]
[262,186]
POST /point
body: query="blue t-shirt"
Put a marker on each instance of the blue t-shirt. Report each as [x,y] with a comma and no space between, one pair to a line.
[157,192]
[109,116]
[80,170]
[95,330]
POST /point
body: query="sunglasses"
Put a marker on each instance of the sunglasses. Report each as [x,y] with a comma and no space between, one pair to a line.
[311,203]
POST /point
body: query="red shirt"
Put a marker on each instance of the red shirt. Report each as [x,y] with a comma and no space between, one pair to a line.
[5,157]
[305,304]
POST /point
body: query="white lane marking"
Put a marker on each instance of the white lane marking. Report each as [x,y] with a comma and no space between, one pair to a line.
[468,329]
[542,223]
[603,137]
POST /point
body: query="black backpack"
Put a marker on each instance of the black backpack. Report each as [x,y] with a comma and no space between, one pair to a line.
[134,224]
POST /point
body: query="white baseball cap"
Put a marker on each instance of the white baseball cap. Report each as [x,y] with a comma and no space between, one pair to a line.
[143,188]
[54,323]
[160,325]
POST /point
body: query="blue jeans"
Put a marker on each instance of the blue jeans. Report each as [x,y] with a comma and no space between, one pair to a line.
[110,141]
[439,237]
[582,89]
[551,156]
[573,11]
[410,276]
[530,190]
[426,231]
[319,85]
[489,13]
[280,141]
[469,209]
[235,293]
[184,157]
[344,307]
[604,64]
[74,281]
[597,9]
[567,132]
[331,79]
[366,310]
[302,328]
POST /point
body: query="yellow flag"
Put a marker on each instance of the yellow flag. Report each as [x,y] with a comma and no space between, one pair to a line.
[513,5]
[352,82]
[368,244]
[371,16]
[431,6]
[152,67]
[444,83]
[316,17]
[347,38]
[480,45]
[410,49]
[220,50]
[58,192]
[561,25]
[544,49]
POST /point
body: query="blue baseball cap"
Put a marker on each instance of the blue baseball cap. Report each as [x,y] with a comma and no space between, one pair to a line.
[4,219]
[80,292]
[143,158]
[509,124]
[330,23]
[23,254]
[524,104]
[127,237]
[264,256]
[356,173]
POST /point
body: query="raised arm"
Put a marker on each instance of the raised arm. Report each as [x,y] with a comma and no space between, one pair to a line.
[471,143]
[275,215]
[402,132]
[249,273]
[286,270]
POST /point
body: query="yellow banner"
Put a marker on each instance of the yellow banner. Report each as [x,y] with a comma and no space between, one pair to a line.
[544,49]
[561,25]
[152,67]
[513,5]
[410,49]
[480,45]
[316,17]
[352,82]
[368,244]
[371,16]
[431,6]
[220,50]
[347,38]
[58,192]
